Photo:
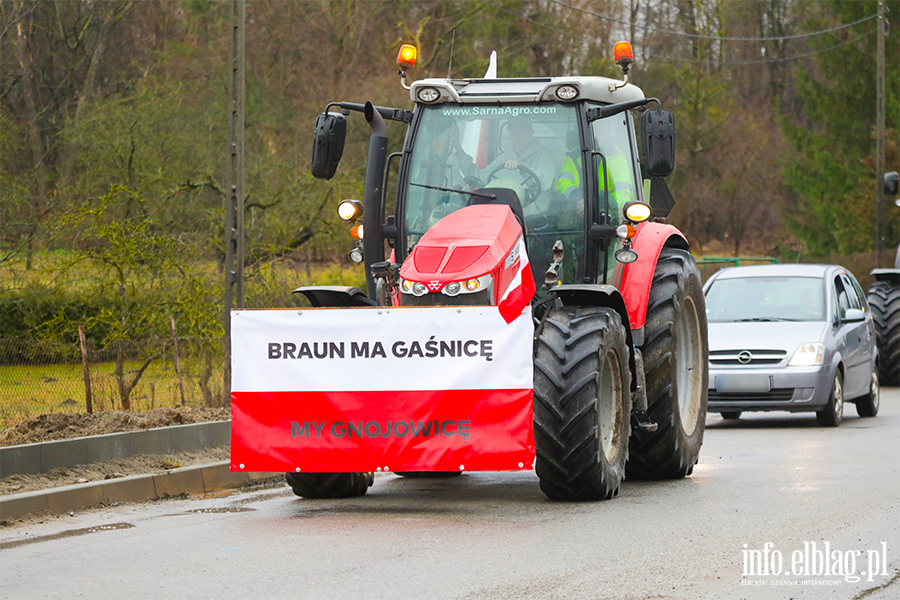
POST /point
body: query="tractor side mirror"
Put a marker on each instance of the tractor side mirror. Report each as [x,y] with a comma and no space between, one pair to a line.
[891,183]
[658,136]
[328,144]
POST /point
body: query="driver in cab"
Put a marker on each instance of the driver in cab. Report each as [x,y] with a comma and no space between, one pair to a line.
[526,151]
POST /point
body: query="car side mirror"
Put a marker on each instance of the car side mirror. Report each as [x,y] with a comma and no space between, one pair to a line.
[854,314]
[891,183]
[658,137]
[328,144]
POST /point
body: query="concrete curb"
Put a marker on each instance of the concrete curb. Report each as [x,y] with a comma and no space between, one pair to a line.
[137,488]
[34,459]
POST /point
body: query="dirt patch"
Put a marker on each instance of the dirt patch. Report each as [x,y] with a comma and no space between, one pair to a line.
[60,426]
[143,464]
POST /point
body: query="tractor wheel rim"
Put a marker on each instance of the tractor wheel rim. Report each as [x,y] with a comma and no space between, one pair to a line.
[609,407]
[688,366]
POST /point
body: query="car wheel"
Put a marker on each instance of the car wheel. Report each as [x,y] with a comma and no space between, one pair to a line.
[867,406]
[732,414]
[833,412]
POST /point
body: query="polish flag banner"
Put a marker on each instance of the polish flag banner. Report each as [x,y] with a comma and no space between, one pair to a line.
[381,389]
[518,295]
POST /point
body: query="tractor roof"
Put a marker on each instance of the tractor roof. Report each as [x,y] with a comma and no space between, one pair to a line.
[536,89]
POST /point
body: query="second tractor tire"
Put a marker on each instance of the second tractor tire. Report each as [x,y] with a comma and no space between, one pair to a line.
[884,300]
[676,364]
[582,403]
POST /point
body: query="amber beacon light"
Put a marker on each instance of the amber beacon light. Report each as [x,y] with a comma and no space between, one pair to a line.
[406,58]
[622,54]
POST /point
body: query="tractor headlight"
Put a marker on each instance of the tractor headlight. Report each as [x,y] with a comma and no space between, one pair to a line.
[469,286]
[637,212]
[350,210]
[413,287]
[808,355]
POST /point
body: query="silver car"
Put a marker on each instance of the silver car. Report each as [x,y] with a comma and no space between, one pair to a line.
[790,337]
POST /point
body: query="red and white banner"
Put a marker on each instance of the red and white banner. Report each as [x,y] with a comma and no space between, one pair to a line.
[381,389]
[521,289]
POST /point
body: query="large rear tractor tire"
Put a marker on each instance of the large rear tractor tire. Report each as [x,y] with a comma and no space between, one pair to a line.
[582,403]
[676,363]
[329,485]
[884,300]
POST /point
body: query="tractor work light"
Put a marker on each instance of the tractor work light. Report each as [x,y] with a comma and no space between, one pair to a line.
[428,94]
[357,232]
[622,54]
[356,255]
[626,255]
[406,58]
[636,211]
[350,210]
[567,92]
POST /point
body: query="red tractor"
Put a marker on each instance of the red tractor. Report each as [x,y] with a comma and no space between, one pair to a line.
[620,333]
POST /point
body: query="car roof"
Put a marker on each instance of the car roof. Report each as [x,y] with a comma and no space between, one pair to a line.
[793,270]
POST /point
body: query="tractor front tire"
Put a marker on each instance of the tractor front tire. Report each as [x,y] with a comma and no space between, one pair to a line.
[676,355]
[582,403]
[329,485]
[884,300]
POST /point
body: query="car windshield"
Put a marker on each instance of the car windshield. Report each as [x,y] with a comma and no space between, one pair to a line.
[765,299]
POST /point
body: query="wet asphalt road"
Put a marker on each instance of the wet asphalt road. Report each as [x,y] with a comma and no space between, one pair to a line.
[769,478]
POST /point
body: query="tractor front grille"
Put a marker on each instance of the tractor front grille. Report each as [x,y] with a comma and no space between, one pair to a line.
[481,298]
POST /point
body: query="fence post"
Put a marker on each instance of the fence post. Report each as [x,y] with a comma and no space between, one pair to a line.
[87,373]
[177,359]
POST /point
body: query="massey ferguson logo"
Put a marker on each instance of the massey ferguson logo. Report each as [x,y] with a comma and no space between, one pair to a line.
[434,285]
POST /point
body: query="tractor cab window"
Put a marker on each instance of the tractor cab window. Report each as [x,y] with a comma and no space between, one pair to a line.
[460,149]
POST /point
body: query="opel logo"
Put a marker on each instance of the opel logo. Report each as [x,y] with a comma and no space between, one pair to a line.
[744,357]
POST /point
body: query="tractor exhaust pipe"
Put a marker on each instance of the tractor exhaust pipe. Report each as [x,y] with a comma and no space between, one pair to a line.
[373,242]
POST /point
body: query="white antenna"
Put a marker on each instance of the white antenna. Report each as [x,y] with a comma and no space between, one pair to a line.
[492,68]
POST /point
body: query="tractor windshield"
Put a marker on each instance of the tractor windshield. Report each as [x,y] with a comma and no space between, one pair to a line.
[519,147]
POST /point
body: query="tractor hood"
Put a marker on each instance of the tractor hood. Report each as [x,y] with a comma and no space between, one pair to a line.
[465,244]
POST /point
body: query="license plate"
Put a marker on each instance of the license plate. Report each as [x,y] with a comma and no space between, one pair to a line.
[742,383]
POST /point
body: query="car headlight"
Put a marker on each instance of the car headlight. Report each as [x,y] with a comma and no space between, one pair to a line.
[808,355]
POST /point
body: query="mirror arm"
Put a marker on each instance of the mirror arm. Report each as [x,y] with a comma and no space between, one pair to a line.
[601,112]
[391,114]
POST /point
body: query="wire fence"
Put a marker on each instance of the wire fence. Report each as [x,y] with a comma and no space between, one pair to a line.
[42,377]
